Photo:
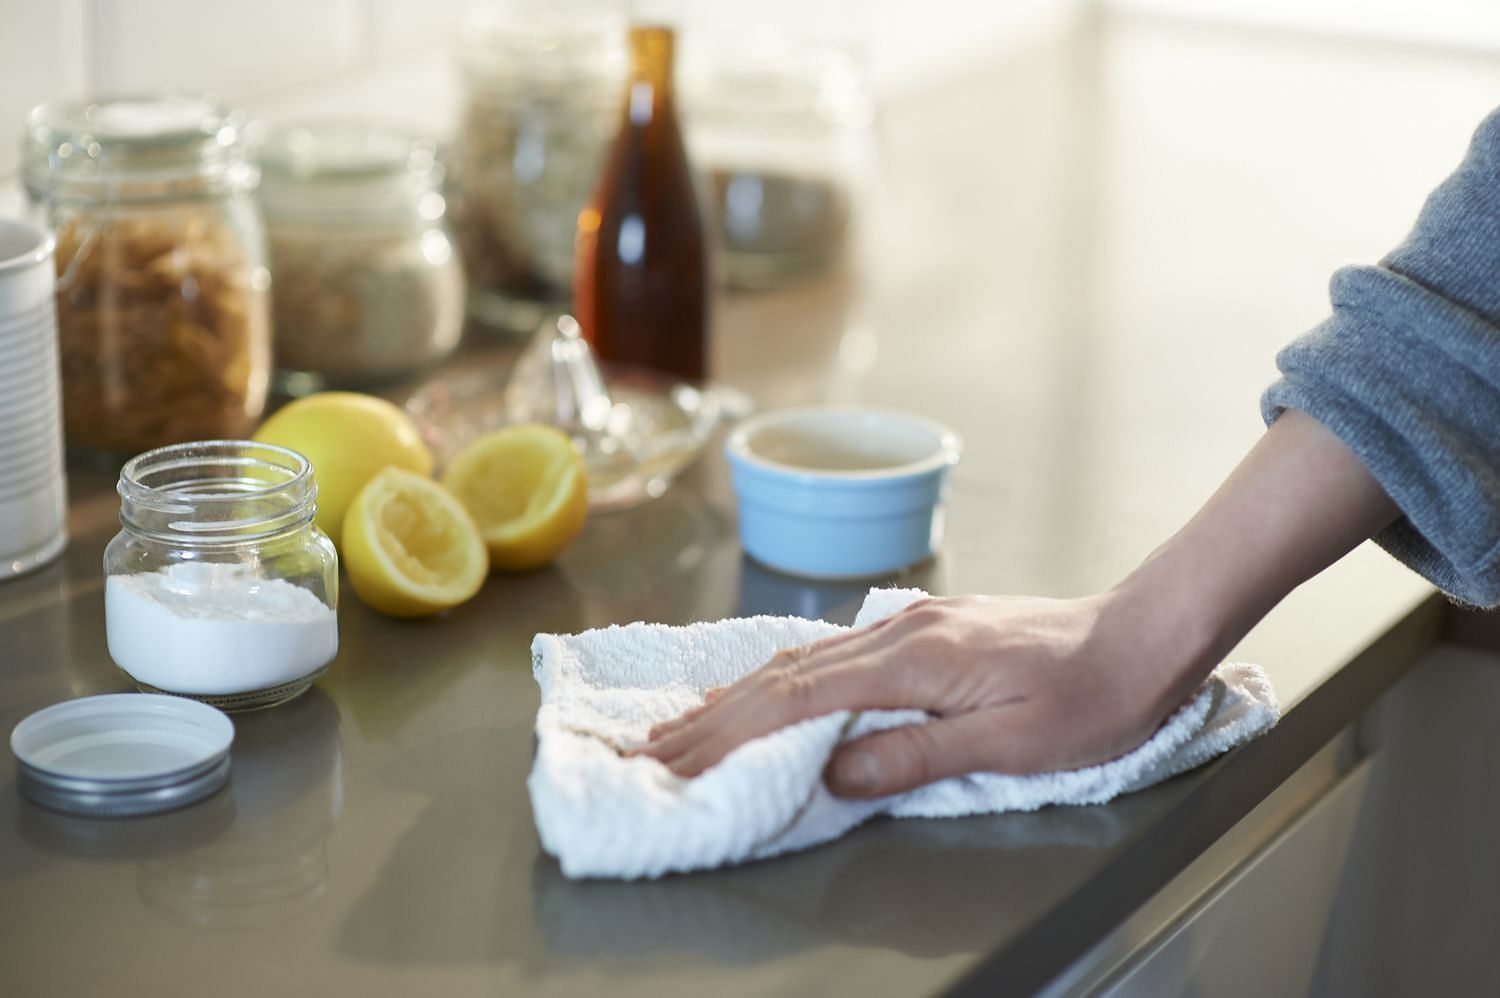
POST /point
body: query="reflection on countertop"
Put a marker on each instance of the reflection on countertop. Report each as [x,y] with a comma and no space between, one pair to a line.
[766,591]
[271,863]
[251,854]
[828,896]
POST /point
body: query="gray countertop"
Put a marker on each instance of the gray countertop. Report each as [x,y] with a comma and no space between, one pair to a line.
[1083,258]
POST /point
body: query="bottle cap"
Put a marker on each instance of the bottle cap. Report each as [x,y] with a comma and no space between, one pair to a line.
[122,754]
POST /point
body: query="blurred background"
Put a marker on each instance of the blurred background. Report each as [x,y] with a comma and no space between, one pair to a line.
[289,56]
[285,55]
[1096,198]
[1093,80]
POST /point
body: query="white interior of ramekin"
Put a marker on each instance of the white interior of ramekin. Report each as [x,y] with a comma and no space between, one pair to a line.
[853,443]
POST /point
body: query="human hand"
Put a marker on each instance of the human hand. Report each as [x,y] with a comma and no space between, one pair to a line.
[1015,685]
[1026,685]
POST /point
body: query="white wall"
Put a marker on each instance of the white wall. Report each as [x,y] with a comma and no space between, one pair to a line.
[393,58]
[1469,24]
[243,50]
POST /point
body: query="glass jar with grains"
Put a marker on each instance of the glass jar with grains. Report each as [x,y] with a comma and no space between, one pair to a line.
[784,131]
[163,307]
[367,285]
[544,82]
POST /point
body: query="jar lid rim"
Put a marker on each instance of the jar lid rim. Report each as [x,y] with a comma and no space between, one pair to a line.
[343,149]
[134,138]
[137,119]
[176,456]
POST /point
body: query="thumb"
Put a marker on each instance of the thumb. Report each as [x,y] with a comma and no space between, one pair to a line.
[901,759]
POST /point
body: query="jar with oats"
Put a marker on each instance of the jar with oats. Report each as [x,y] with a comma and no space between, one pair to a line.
[163,296]
[368,288]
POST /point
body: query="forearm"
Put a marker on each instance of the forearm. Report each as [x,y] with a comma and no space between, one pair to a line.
[1029,685]
[1298,502]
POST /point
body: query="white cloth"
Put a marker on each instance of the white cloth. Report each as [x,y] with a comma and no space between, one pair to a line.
[604,815]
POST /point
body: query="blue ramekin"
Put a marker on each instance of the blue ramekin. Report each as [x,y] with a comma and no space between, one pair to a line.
[847,519]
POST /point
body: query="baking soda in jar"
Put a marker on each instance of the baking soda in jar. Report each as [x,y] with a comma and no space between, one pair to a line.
[219,586]
[209,629]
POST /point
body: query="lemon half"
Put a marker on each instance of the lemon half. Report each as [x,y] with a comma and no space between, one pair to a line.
[410,548]
[527,490]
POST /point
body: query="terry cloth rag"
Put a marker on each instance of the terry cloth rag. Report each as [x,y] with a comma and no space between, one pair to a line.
[605,815]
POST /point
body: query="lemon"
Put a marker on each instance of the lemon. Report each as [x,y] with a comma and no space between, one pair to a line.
[410,547]
[526,488]
[348,437]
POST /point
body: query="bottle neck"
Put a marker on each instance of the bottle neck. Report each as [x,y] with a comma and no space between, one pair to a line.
[649,95]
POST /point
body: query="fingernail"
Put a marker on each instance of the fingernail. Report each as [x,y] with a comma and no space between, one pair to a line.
[856,771]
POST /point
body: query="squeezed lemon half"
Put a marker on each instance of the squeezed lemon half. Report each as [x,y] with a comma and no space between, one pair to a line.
[526,489]
[410,547]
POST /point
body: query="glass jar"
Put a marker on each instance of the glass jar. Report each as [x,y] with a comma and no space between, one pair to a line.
[543,89]
[783,132]
[219,586]
[163,305]
[367,286]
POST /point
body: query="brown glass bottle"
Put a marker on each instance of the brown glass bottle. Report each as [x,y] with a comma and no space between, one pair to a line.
[640,282]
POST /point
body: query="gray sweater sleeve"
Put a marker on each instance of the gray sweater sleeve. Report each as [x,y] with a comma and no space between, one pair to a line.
[1407,372]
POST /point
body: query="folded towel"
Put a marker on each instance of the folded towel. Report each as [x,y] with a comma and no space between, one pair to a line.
[605,815]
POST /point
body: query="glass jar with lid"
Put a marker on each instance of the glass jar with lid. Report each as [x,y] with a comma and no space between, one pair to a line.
[163,306]
[219,586]
[543,85]
[367,285]
[783,131]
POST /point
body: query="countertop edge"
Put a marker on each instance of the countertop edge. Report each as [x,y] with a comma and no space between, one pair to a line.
[1224,792]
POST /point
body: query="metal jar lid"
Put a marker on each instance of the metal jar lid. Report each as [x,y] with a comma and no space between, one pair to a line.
[148,148]
[122,754]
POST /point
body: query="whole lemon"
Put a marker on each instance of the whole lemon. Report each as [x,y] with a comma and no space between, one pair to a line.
[349,438]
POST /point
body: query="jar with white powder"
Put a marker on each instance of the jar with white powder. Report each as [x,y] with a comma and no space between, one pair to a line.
[219,586]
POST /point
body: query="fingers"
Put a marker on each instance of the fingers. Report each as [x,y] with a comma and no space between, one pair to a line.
[844,678]
[770,701]
[850,670]
[786,662]
[1013,737]
[709,697]
[667,727]
[892,762]
[788,658]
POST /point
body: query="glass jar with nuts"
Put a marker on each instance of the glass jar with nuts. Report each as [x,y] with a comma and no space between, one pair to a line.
[163,307]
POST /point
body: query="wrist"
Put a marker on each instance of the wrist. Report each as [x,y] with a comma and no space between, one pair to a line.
[1179,622]
[1298,502]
